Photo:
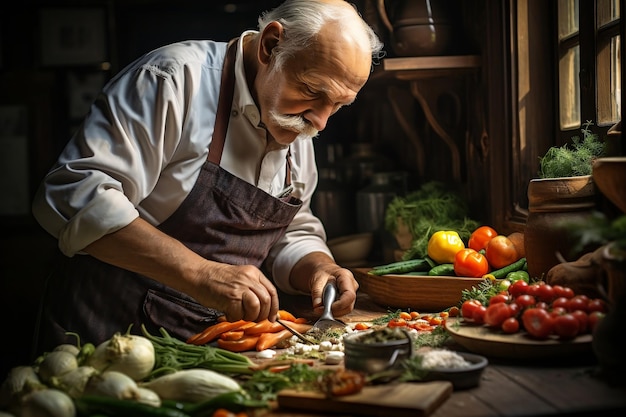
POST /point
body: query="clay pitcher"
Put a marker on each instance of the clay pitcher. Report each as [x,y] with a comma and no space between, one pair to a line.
[417,27]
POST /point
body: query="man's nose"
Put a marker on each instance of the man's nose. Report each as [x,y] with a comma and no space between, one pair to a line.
[318,116]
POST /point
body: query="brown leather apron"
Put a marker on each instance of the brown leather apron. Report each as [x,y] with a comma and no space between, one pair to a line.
[223,218]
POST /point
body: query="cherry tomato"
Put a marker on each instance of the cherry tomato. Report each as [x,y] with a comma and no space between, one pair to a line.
[578,302]
[583,320]
[468,307]
[498,298]
[560,302]
[480,237]
[518,288]
[561,291]
[479,314]
[566,326]
[525,300]
[537,322]
[515,308]
[596,304]
[545,293]
[510,325]
[469,263]
[496,314]
[500,252]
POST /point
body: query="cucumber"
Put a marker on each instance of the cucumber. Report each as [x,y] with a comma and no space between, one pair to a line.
[401,267]
[442,269]
[515,266]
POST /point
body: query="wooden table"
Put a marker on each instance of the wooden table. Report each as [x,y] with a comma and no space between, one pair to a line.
[571,387]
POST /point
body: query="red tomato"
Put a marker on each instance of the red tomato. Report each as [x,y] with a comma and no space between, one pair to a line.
[525,300]
[510,325]
[496,314]
[545,293]
[479,314]
[537,322]
[583,320]
[596,304]
[515,308]
[560,291]
[566,326]
[500,252]
[498,298]
[468,307]
[519,287]
[480,237]
[469,263]
[578,302]
[560,302]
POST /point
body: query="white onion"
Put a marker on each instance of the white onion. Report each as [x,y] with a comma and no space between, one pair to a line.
[132,355]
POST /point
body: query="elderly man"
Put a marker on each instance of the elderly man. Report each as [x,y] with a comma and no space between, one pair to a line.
[185,194]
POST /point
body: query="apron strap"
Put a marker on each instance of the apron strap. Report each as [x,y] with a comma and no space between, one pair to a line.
[224,105]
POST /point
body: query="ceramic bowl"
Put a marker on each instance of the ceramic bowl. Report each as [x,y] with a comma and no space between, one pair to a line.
[608,175]
[351,249]
[461,378]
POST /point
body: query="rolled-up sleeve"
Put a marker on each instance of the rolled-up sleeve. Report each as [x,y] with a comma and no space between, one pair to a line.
[113,162]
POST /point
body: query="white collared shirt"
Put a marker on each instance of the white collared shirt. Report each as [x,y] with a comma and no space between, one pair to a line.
[141,147]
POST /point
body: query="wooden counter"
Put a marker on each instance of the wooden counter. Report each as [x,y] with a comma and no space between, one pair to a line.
[572,386]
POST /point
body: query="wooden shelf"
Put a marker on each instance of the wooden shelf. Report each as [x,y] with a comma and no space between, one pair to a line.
[430,63]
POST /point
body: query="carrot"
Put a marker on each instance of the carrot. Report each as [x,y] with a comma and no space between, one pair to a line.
[268,340]
[264,326]
[301,320]
[212,332]
[232,335]
[300,327]
[240,345]
[285,315]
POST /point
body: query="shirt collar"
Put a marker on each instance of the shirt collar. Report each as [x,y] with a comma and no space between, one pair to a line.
[242,97]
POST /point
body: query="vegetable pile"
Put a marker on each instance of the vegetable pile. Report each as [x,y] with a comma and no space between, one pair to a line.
[540,309]
[487,254]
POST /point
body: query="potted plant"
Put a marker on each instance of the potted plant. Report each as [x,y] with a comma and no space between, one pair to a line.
[564,191]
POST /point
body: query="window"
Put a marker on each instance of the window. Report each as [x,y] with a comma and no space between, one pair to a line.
[589,65]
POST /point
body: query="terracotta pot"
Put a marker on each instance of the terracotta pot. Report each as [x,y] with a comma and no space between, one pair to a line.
[552,202]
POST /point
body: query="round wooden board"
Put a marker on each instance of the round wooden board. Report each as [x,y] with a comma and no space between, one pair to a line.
[488,342]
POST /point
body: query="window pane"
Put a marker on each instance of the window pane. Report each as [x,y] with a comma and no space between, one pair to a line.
[569,89]
[568,18]
[608,79]
[608,10]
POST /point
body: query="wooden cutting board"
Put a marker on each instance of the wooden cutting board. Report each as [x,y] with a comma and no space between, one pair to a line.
[410,399]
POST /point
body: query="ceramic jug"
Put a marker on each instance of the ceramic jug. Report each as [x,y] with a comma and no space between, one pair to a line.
[417,27]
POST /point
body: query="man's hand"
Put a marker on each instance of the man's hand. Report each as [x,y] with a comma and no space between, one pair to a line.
[312,273]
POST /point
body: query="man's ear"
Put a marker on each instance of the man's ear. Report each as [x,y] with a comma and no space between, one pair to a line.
[270,37]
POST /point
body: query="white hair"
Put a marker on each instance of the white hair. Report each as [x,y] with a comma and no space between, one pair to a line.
[302,20]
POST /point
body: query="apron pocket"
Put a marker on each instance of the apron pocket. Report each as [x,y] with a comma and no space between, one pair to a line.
[180,317]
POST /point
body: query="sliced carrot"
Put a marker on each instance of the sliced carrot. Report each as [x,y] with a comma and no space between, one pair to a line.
[212,332]
[361,326]
[285,315]
[301,320]
[241,345]
[264,326]
[269,340]
[232,335]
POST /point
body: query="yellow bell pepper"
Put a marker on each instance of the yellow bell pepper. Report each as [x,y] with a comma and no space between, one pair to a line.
[443,246]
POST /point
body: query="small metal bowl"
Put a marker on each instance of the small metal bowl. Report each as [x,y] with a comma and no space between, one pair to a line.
[367,352]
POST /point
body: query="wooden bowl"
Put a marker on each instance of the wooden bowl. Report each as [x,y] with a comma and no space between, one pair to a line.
[415,292]
[608,175]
